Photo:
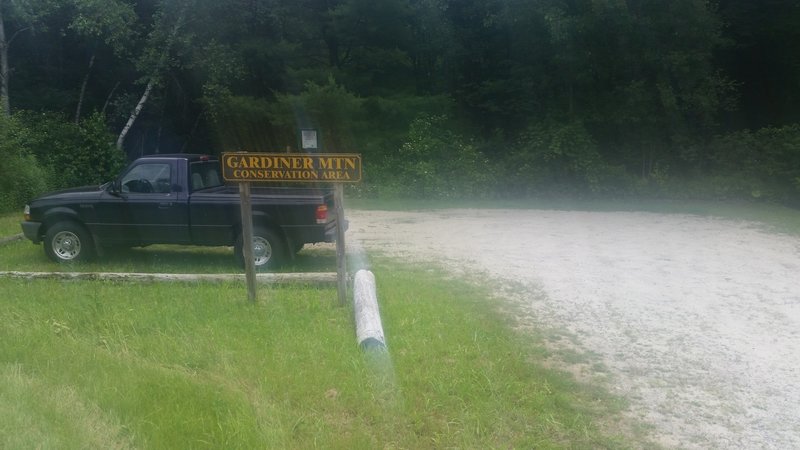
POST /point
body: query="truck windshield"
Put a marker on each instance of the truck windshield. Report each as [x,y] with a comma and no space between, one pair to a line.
[204,175]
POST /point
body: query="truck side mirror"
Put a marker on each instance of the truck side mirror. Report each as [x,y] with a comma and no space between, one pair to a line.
[114,188]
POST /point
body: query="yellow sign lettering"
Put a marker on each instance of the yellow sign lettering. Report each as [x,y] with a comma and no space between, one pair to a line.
[280,167]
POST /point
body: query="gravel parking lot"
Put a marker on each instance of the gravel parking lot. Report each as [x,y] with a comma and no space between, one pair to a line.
[695,320]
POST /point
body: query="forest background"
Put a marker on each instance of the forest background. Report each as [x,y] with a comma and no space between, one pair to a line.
[443,98]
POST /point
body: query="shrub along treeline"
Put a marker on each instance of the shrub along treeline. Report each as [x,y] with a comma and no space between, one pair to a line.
[444,98]
[437,158]
[41,152]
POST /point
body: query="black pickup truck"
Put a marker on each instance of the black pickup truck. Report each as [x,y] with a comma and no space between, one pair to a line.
[177,199]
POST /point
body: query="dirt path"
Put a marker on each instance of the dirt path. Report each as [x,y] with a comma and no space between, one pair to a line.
[696,319]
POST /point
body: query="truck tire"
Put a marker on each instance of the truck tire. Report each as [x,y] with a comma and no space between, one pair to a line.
[268,249]
[68,241]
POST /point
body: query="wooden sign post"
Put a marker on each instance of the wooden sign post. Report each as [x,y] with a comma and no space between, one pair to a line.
[335,168]
[247,236]
[341,261]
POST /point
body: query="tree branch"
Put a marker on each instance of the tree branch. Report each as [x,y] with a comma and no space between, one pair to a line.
[16,33]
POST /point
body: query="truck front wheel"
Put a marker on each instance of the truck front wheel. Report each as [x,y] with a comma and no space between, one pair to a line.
[268,249]
[68,241]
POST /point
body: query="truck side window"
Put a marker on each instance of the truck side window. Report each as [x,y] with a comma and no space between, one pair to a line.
[205,175]
[148,178]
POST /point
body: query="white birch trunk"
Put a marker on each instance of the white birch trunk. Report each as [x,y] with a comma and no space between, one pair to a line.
[4,103]
[83,91]
[135,113]
[162,63]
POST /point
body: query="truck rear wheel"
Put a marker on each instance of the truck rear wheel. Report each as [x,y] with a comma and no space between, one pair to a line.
[268,249]
[68,241]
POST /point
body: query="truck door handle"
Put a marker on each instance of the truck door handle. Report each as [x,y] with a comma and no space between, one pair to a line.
[164,205]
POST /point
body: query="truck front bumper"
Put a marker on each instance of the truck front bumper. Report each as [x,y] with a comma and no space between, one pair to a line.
[31,231]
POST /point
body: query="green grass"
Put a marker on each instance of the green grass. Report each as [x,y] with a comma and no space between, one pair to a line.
[468,373]
[173,366]
[9,224]
[25,256]
[91,364]
[95,364]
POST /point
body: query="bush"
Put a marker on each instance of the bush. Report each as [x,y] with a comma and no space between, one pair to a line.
[243,123]
[73,155]
[380,128]
[706,187]
[383,122]
[767,161]
[329,108]
[21,177]
[557,158]
[436,162]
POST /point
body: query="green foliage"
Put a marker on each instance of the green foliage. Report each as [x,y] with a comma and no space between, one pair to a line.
[220,67]
[764,163]
[381,127]
[382,124]
[241,123]
[109,20]
[88,364]
[436,162]
[626,94]
[73,155]
[257,124]
[45,151]
[329,108]
[21,177]
[556,158]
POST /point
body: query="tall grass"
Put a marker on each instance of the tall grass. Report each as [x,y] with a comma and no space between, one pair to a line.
[9,224]
[109,365]
[94,364]
[174,365]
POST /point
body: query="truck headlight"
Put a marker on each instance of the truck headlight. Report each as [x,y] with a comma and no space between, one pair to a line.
[27,213]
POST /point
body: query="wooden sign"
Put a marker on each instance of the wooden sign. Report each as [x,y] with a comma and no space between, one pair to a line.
[337,168]
[292,167]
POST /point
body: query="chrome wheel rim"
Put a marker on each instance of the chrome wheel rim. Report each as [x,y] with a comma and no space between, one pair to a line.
[66,245]
[262,250]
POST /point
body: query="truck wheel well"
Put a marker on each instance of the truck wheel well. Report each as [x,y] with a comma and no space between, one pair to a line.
[237,229]
[49,221]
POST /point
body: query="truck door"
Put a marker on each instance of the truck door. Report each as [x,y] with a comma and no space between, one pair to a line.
[147,209]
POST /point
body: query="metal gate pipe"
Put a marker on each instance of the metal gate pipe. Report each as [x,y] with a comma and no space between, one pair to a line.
[369,331]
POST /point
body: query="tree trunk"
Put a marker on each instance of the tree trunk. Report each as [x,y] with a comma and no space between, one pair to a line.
[83,91]
[153,77]
[191,133]
[135,113]
[333,51]
[108,99]
[4,103]
[5,72]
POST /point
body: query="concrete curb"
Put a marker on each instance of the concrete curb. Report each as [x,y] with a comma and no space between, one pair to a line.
[10,239]
[263,278]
